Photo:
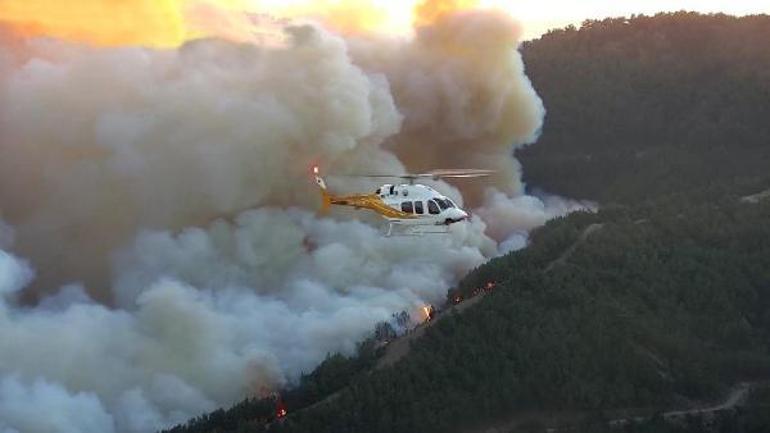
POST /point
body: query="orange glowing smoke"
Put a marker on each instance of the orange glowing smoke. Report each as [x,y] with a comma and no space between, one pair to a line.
[394,16]
[169,23]
[350,16]
[430,11]
[154,23]
[366,16]
[101,22]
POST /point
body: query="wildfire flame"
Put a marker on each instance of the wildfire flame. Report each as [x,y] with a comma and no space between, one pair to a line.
[280,407]
[427,309]
[169,23]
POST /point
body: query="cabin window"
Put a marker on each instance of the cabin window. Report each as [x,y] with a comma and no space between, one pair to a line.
[392,190]
[406,206]
[418,208]
[442,203]
[433,207]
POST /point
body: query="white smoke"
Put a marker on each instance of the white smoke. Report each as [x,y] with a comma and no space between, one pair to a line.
[126,172]
[511,219]
[43,407]
[464,94]
[14,274]
[127,138]
[209,316]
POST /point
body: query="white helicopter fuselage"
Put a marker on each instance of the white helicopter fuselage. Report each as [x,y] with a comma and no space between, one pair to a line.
[410,209]
[423,204]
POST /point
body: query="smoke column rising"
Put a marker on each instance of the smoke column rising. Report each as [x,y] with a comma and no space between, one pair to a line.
[160,255]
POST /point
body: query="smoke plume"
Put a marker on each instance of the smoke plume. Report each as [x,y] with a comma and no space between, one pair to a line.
[160,255]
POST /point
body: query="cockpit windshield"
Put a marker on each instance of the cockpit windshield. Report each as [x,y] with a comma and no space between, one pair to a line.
[443,203]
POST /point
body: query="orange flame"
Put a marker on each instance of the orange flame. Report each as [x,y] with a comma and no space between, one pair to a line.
[428,310]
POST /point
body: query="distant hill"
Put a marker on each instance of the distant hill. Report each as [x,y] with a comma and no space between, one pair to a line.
[661,300]
[641,107]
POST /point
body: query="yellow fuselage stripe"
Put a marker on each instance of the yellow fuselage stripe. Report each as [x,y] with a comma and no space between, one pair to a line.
[372,202]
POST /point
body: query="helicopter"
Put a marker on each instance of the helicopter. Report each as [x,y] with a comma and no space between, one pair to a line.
[409,208]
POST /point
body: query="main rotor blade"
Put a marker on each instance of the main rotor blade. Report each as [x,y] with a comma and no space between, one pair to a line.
[375,175]
[461,173]
[435,174]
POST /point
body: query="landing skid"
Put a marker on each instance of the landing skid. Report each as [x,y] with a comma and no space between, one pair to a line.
[397,229]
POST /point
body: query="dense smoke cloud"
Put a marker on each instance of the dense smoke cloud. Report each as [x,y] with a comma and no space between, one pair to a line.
[464,95]
[99,142]
[21,403]
[162,198]
[213,315]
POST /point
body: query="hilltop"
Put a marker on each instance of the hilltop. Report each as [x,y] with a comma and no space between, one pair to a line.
[641,108]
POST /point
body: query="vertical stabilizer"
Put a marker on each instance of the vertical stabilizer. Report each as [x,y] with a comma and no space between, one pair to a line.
[325,197]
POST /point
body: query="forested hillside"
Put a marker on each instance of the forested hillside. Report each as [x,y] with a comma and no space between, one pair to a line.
[654,309]
[660,300]
[645,313]
[648,106]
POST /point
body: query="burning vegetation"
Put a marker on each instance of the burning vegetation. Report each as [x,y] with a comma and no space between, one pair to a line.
[430,312]
[457,296]
[280,408]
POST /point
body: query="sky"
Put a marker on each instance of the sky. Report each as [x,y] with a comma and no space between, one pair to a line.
[539,16]
[168,23]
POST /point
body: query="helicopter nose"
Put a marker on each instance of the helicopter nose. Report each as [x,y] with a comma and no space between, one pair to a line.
[458,215]
[464,216]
